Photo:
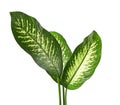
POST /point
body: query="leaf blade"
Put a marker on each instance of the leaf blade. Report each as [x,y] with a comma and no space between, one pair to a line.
[66,51]
[83,62]
[37,42]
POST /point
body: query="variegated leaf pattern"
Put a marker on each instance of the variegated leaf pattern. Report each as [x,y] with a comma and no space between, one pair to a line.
[66,52]
[83,62]
[38,42]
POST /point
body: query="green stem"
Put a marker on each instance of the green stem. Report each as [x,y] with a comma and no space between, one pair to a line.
[64,96]
[59,92]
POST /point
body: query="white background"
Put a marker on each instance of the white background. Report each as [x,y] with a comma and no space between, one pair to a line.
[22,82]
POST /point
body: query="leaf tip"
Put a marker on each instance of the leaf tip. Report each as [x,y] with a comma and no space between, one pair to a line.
[12,12]
[94,32]
[15,13]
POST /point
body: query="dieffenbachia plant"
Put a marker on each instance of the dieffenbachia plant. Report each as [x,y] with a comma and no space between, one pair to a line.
[51,52]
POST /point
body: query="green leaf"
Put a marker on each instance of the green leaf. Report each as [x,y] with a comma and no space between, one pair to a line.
[37,42]
[83,62]
[66,52]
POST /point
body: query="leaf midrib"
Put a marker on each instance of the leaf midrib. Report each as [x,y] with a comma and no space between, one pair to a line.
[79,65]
[43,51]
